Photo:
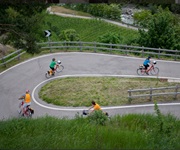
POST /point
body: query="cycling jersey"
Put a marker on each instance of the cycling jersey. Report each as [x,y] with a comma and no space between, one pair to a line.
[146,62]
[27,98]
[53,63]
[97,107]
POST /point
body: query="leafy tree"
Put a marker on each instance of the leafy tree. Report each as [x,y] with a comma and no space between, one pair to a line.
[69,35]
[161,31]
[142,17]
[21,24]
[112,38]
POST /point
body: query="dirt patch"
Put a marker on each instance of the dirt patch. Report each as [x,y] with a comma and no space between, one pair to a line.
[5,50]
[59,9]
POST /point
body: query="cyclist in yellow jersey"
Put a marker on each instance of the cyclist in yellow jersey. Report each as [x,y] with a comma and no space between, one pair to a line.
[27,100]
[95,106]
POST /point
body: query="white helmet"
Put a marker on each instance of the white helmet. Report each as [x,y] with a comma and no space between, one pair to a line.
[154,62]
[59,62]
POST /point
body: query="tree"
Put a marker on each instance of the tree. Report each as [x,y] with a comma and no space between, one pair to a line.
[21,23]
[113,38]
[161,31]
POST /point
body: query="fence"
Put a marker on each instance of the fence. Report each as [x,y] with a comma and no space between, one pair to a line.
[125,49]
[10,57]
[95,46]
[151,94]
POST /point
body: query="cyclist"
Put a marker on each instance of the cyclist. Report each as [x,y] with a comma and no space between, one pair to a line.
[27,101]
[146,64]
[95,107]
[52,65]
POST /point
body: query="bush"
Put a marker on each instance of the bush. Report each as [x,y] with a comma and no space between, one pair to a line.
[112,38]
[69,35]
[98,117]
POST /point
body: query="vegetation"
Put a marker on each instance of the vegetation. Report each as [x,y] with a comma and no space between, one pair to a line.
[104,90]
[162,31]
[111,11]
[20,24]
[89,30]
[143,131]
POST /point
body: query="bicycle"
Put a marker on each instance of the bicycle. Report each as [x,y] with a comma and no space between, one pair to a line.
[59,67]
[152,70]
[86,112]
[28,112]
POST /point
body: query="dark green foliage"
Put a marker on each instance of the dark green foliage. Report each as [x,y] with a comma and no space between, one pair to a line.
[163,131]
[111,11]
[21,22]
[98,117]
[69,35]
[113,38]
[161,31]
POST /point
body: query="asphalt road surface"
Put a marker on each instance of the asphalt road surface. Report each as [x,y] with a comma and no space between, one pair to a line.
[31,75]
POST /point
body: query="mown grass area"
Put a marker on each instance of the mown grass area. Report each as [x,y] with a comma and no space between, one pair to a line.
[106,91]
[119,132]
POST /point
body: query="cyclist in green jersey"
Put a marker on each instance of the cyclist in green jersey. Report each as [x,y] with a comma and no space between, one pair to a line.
[52,65]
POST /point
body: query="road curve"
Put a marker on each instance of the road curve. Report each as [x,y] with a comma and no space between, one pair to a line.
[30,75]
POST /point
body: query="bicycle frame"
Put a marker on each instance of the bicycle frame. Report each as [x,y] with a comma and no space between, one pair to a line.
[152,70]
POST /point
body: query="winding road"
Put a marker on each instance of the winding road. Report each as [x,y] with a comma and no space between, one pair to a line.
[31,75]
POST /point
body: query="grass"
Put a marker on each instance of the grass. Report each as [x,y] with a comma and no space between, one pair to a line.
[107,91]
[88,29]
[120,132]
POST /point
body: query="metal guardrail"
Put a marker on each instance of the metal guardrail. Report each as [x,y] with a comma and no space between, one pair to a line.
[95,46]
[11,57]
[125,49]
[151,94]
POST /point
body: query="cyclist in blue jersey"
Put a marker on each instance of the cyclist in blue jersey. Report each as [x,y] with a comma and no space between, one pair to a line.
[146,64]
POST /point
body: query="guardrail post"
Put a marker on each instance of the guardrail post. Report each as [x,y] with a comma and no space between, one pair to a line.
[80,45]
[111,48]
[19,55]
[142,52]
[126,52]
[176,90]
[49,42]
[159,53]
[176,54]
[150,96]
[129,97]
[95,47]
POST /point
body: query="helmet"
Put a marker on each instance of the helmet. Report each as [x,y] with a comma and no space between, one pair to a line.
[27,91]
[53,59]
[154,62]
[149,57]
[59,62]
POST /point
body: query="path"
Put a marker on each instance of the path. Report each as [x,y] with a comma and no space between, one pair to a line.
[30,75]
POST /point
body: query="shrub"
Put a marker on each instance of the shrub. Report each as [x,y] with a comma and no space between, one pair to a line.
[98,117]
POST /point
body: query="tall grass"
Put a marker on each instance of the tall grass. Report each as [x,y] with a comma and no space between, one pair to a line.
[119,132]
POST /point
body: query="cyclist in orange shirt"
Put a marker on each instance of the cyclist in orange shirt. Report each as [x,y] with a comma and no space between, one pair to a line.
[27,100]
[95,106]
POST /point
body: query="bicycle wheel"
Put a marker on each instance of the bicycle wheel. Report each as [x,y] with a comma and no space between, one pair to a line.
[59,68]
[47,75]
[28,114]
[140,72]
[154,71]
